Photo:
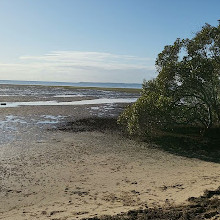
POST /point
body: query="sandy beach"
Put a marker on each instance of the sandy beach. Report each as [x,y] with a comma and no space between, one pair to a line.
[47,173]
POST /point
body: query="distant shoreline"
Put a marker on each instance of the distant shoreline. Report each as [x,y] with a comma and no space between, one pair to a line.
[72,84]
[116,89]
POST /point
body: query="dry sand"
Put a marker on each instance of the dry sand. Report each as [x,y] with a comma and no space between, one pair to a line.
[85,174]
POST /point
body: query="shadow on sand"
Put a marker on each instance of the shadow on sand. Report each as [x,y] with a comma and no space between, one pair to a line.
[187,143]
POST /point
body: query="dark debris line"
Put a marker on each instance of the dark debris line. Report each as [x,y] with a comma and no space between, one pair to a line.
[90,124]
[203,207]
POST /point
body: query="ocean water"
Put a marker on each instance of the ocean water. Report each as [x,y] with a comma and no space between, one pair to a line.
[78,84]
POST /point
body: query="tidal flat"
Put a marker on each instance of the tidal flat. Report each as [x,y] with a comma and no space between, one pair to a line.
[73,162]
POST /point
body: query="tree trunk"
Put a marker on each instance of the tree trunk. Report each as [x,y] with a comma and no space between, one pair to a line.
[210,122]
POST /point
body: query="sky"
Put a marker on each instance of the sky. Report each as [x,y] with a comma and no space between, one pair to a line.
[94,40]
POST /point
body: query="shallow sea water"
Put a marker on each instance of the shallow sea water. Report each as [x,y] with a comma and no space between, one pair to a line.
[81,102]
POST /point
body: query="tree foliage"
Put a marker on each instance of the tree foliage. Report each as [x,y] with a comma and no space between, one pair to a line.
[186,90]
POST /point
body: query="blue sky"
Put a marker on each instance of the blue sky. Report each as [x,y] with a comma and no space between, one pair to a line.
[94,40]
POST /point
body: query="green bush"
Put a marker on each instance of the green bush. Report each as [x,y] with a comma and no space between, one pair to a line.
[186,90]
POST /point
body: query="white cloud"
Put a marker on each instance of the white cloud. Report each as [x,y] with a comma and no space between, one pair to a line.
[75,66]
